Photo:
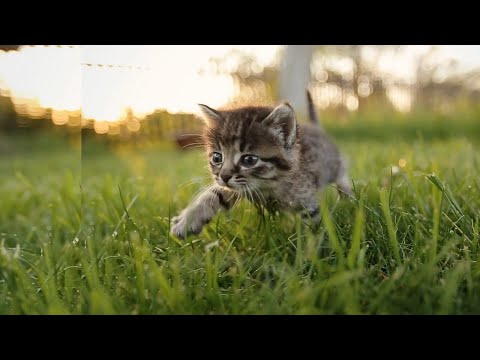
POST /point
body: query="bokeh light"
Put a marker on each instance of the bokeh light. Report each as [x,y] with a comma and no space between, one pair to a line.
[83,85]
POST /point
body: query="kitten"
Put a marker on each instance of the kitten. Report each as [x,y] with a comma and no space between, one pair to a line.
[263,155]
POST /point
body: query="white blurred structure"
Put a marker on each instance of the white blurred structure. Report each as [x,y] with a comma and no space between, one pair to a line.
[295,76]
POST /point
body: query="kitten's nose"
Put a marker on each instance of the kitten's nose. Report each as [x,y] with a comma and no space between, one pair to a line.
[226,178]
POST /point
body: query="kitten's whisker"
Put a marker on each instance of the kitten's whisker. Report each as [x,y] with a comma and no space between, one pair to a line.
[198,192]
[239,198]
[191,134]
[193,145]
[215,190]
[210,189]
[234,194]
[259,192]
[250,193]
[201,191]
[193,181]
[257,196]
[245,192]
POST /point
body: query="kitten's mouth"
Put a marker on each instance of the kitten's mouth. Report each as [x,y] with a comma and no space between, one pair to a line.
[231,187]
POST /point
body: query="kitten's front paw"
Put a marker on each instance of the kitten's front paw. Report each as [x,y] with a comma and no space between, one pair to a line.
[181,228]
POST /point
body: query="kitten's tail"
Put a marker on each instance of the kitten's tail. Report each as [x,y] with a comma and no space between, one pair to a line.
[311,110]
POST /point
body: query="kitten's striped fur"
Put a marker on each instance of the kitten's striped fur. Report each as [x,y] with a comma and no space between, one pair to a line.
[293,162]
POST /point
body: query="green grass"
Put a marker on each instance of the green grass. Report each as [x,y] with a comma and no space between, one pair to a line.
[87,232]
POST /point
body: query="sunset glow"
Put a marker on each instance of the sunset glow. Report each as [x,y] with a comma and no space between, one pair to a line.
[104,81]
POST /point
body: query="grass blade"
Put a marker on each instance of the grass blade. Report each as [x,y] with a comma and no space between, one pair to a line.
[392,234]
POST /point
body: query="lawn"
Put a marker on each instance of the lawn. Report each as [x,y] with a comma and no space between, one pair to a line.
[85,230]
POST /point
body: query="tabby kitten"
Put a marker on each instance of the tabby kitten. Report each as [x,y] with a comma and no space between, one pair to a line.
[263,155]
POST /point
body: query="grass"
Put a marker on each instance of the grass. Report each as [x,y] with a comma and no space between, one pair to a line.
[86,231]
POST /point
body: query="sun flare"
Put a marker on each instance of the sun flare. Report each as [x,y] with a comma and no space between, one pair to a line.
[104,81]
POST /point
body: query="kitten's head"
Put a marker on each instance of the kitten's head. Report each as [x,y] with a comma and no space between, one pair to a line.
[251,147]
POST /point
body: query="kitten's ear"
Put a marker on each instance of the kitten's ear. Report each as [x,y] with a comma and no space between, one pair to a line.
[210,115]
[282,120]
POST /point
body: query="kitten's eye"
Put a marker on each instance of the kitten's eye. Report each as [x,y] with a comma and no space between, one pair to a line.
[248,160]
[217,158]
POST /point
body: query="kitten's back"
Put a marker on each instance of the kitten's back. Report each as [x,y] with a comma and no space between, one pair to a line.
[320,156]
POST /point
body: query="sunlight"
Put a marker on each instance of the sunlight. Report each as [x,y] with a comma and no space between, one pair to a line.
[50,75]
[104,81]
[400,98]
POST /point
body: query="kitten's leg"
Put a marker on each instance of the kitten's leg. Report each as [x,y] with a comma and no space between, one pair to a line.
[344,185]
[311,212]
[201,210]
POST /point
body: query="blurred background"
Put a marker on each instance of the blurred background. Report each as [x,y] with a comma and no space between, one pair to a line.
[84,100]
[143,93]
